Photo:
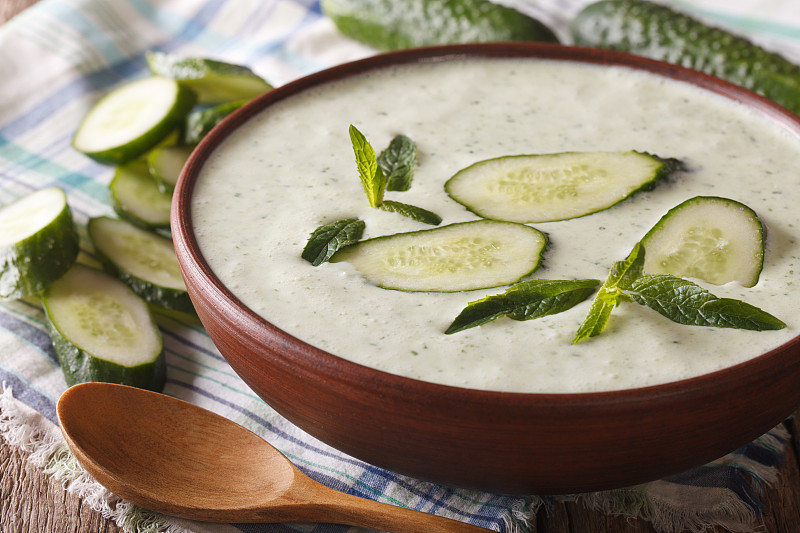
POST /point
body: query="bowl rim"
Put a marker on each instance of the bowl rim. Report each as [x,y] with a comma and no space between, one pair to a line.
[339,368]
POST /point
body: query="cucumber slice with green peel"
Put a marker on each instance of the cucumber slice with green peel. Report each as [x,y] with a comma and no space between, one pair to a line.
[136,197]
[550,187]
[144,260]
[38,242]
[716,240]
[394,25]
[165,165]
[659,32]
[102,331]
[213,81]
[459,257]
[202,121]
[132,119]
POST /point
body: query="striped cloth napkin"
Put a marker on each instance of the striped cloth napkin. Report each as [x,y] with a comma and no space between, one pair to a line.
[61,55]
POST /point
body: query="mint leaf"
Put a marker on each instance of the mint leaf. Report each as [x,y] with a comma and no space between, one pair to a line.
[610,295]
[328,239]
[398,162]
[525,301]
[685,302]
[372,177]
[411,211]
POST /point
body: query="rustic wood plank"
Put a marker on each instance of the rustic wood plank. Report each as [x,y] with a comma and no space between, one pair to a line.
[32,502]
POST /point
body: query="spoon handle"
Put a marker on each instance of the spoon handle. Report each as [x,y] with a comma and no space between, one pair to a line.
[335,507]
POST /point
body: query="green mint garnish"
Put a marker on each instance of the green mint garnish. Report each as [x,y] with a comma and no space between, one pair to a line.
[398,162]
[610,294]
[374,181]
[678,299]
[372,177]
[328,239]
[525,301]
[411,211]
[685,302]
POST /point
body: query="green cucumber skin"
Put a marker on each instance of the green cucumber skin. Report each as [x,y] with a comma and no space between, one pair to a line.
[658,32]
[80,366]
[31,265]
[140,146]
[395,25]
[127,213]
[165,297]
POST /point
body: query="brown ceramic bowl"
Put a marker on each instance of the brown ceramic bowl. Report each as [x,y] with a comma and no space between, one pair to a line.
[501,442]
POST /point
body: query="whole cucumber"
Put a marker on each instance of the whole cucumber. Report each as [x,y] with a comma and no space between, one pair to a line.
[398,24]
[658,32]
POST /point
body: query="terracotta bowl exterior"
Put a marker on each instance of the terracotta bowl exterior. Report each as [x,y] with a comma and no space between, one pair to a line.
[494,441]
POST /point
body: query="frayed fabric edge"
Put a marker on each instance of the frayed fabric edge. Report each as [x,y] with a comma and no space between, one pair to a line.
[27,430]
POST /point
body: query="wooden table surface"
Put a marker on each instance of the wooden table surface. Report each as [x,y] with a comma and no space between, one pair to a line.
[31,502]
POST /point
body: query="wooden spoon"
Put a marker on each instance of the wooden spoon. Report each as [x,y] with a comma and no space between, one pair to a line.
[179,459]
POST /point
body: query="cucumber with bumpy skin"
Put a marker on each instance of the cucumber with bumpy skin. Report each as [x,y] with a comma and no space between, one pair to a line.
[459,257]
[656,31]
[394,25]
[136,197]
[713,239]
[143,259]
[38,242]
[102,331]
[132,119]
[550,187]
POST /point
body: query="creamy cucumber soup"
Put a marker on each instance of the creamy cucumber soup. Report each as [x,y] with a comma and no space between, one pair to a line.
[291,169]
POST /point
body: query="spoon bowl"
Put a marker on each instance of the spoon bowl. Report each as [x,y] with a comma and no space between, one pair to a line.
[179,459]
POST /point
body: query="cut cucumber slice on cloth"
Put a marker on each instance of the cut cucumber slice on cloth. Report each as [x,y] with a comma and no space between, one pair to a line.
[102,331]
[136,197]
[144,260]
[38,242]
[713,239]
[202,121]
[394,25]
[165,165]
[550,187]
[130,120]
[459,257]
[213,81]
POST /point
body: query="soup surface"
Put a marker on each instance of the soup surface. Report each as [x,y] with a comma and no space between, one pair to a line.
[292,169]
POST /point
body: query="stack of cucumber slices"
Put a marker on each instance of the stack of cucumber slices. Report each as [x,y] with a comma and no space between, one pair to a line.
[101,321]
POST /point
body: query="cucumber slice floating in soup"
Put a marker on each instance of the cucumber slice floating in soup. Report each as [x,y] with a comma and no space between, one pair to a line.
[213,81]
[143,259]
[550,187]
[102,331]
[136,197]
[713,239]
[38,242]
[132,119]
[458,257]
[165,165]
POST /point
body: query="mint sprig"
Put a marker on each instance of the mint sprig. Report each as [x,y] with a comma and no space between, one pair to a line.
[372,177]
[685,302]
[525,301]
[328,239]
[411,211]
[375,181]
[678,299]
[397,162]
